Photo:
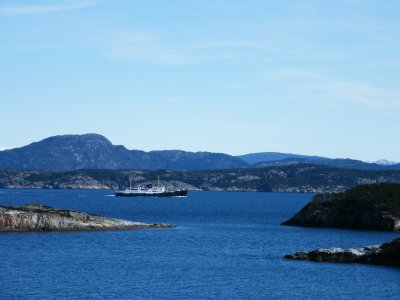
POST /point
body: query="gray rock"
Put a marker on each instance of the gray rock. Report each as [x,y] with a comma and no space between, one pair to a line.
[36,217]
[385,254]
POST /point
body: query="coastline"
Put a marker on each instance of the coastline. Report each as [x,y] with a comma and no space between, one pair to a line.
[33,217]
[291,179]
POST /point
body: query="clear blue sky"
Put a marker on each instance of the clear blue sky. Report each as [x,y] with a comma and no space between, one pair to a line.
[307,77]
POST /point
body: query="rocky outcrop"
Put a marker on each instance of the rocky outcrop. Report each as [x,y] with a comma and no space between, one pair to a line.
[362,219]
[385,254]
[36,217]
[372,207]
[79,182]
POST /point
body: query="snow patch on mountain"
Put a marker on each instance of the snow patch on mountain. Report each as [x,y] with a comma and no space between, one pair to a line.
[383,162]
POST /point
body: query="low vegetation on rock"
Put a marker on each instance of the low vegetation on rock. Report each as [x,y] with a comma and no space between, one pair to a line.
[374,206]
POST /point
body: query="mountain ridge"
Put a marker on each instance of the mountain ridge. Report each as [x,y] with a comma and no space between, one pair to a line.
[267,159]
[254,158]
[94,151]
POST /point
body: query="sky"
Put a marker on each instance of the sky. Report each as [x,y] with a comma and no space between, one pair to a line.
[234,76]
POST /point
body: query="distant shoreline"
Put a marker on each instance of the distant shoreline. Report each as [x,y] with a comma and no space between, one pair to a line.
[302,178]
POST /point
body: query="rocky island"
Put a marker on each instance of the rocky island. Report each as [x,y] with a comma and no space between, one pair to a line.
[36,217]
[371,207]
[386,254]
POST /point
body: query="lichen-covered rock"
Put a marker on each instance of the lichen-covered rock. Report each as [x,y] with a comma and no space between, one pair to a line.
[385,254]
[36,217]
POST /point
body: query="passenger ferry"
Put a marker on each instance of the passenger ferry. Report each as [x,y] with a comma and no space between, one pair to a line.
[149,190]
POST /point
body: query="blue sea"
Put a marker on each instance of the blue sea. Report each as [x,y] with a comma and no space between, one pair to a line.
[225,246]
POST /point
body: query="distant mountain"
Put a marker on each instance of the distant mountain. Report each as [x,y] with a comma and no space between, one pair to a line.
[268,159]
[93,151]
[343,163]
[254,158]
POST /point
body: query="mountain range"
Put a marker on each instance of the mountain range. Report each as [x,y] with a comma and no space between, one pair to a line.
[93,151]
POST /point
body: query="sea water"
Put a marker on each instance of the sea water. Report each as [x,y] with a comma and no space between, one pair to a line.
[225,246]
